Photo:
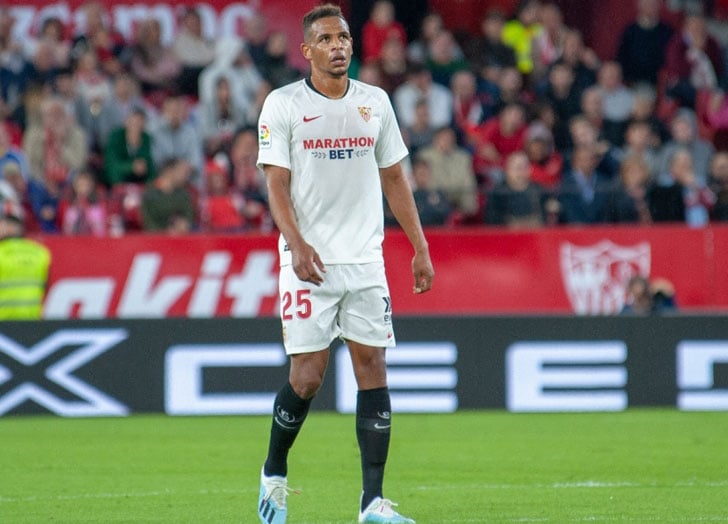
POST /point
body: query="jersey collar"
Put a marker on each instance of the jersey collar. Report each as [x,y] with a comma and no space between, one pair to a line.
[310,84]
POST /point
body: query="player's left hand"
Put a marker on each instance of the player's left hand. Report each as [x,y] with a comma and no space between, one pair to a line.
[423,272]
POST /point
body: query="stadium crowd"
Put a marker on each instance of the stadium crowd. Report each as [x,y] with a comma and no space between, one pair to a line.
[521,125]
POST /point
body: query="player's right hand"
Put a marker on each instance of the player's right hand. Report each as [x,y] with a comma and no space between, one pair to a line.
[307,264]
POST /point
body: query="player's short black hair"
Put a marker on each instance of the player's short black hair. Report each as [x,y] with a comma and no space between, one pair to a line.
[318,12]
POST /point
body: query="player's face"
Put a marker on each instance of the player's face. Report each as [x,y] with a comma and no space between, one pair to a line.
[328,46]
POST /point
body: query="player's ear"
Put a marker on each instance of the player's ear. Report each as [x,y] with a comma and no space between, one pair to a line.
[306,51]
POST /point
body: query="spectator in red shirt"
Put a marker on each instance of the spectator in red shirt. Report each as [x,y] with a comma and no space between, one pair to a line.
[545,161]
[497,138]
[380,27]
[221,207]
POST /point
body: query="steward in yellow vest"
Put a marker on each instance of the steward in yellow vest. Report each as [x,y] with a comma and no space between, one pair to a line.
[24,268]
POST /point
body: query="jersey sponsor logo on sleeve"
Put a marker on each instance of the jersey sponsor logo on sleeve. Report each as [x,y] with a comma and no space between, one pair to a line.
[264,138]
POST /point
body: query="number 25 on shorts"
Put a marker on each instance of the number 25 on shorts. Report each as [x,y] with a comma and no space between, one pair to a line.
[301,308]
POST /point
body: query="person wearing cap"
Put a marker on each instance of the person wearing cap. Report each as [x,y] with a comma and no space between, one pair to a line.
[24,266]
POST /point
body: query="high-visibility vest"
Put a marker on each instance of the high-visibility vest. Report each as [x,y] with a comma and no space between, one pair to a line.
[520,38]
[24,268]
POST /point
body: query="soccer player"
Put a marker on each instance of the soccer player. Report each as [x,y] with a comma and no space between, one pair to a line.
[330,146]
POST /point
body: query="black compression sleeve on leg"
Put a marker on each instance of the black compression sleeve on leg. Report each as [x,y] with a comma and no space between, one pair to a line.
[373,423]
[289,412]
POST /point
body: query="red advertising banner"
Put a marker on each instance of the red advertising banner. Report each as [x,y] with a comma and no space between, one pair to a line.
[478,271]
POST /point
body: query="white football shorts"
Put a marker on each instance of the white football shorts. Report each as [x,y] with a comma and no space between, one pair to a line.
[352,303]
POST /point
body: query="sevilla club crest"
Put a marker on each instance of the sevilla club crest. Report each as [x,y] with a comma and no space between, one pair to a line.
[595,276]
[365,112]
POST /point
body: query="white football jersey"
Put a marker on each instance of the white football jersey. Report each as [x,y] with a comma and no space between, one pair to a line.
[334,149]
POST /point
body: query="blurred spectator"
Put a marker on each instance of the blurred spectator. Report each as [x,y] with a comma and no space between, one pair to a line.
[29,112]
[638,144]
[564,98]
[421,132]
[549,44]
[219,117]
[468,111]
[582,60]
[249,181]
[13,192]
[452,171]
[510,89]
[495,139]
[645,297]
[256,37]
[393,65]
[152,62]
[43,67]
[194,52]
[371,74]
[445,58]
[432,204]
[221,208]
[9,154]
[64,87]
[419,86]
[718,183]
[592,108]
[83,210]
[418,51]
[643,44]
[617,101]
[693,61]
[516,202]
[24,268]
[275,67]
[629,202]
[488,49]
[15,70]
[91,85]
[380,27]
[583,133]
[92,91]
[96,33]
[44,199]
[684,135]
[521,31]
[175,136]
[125,97]
[716,115]
[246,84]
[53,33]
[546,163]
[55,147]
[167,204]
[128,152]
[644,99]
[687,199]
[584,192]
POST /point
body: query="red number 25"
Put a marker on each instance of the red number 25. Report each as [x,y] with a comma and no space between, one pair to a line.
[302,307]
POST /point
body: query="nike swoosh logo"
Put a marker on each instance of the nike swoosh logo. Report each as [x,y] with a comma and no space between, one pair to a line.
[310,118]
[384,426]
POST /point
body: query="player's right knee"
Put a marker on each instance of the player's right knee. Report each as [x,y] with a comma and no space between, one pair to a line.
[306,385]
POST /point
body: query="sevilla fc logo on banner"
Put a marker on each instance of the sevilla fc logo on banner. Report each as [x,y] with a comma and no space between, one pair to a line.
[365,112]
[595,276]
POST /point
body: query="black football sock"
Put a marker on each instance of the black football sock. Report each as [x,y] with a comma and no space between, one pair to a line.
[289,412]
[373,423]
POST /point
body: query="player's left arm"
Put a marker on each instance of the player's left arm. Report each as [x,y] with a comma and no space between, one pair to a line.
[399,196]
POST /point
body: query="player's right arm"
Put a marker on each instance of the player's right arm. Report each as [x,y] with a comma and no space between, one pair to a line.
[305,260]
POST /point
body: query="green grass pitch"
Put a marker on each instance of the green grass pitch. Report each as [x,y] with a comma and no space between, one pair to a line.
[639,466]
